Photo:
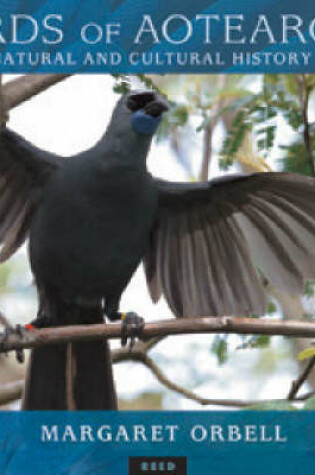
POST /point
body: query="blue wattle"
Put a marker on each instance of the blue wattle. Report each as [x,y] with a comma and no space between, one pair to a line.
[144,123]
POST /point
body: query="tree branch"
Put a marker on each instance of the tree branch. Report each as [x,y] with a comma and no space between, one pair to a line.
[11,392]
[305,397]
[125,353]
[296,385]
[248,326]
[143,358]
[20,90]
[207,153]
[162,378]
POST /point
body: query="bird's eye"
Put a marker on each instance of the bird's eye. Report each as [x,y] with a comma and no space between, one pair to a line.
[139,101]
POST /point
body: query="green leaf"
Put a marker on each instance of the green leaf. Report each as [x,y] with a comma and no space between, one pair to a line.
[220,348]
[254,342]
[261,144]
[261,341]
[122,87]
[306,354]
[295,158]
[178,116]
[271,308]
[309,289]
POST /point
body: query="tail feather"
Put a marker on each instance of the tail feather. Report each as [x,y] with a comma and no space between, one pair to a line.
[88,385]
[45,386]
[76,376]
[93,383]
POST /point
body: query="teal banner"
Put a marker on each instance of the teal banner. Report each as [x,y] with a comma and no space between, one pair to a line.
[166,36]
[122,443]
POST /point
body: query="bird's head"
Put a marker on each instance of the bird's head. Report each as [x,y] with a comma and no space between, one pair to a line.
[146,109]
[139,112]
[135,120]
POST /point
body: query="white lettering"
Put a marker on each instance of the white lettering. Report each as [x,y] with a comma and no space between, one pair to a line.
[148,28]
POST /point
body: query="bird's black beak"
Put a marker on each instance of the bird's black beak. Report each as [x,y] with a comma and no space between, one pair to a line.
[156,107]
[150,103]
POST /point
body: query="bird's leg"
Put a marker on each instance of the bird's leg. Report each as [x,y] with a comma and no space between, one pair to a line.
[46,315]
[136,324]
[18,331]
[129,320]
[42,321]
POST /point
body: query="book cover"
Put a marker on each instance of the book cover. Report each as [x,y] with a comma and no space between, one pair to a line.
[157,229]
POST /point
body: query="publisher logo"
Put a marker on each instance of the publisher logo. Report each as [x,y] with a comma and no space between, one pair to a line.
[157,466]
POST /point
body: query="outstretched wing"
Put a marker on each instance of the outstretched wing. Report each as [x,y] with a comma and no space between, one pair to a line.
[24,171]
[211,238]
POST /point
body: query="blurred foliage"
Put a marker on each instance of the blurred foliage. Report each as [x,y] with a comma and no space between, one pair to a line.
[205,101]
[309,289]
[220,348]
[256,341]
[272,406]
[308,405]
[306,354]
[123,83]
[5,272]
[295,157]
[280,96]
[202,103]
[229,99]
[147,401]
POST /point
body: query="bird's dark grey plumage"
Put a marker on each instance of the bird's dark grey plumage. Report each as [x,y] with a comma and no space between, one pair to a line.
[210,238]
[91,220]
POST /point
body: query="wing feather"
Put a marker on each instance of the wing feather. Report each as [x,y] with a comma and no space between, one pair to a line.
[212,240]
[24,171]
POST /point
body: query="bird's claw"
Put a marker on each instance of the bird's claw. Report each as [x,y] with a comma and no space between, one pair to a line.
[133,322]
[18,331]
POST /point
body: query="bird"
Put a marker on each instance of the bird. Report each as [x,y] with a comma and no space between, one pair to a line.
[91,219]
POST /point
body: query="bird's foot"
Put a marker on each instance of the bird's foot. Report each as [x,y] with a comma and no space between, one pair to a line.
[133,322]
[18,331]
